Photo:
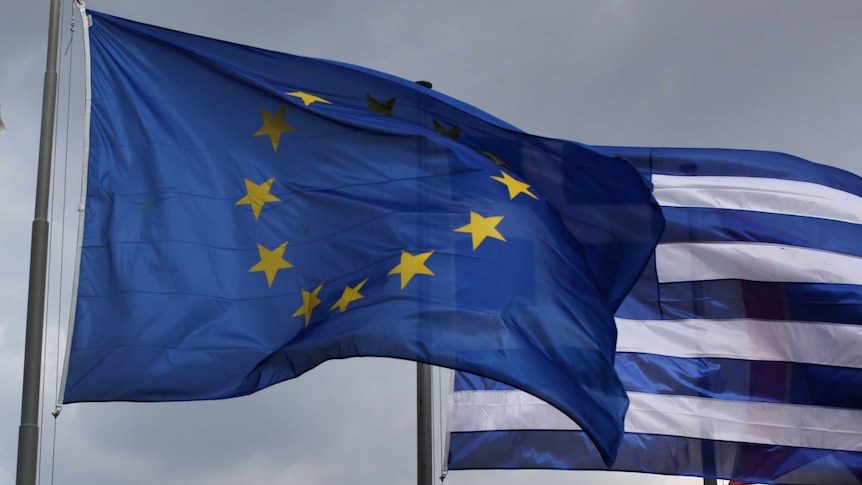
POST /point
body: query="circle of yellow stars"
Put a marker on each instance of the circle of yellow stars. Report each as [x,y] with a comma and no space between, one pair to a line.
[410,265]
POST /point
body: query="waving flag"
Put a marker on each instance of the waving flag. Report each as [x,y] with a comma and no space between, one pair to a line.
[740,345]
[251,214]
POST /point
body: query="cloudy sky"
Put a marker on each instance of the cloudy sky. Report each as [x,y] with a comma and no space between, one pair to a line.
[771,75]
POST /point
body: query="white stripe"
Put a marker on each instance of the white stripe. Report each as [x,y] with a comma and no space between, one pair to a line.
[692,417]
[702,261]
[832,344]
[758,194]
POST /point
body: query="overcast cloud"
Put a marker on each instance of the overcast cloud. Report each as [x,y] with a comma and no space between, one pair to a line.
[779,75]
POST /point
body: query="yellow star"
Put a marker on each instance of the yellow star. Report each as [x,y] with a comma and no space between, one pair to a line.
[495,158]
[274,126]
[271,262]
[482,227]
[309,301]
[452,133]
[257,195]
[308,98]
[515,186]
[350,294]
[411,266]
[381,107]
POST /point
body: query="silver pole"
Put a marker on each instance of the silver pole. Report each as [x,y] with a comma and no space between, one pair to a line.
[28,432]
[424,438]
[424,411]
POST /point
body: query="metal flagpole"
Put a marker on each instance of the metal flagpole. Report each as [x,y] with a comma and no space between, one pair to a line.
[28,432]
[424,438]
[424,411]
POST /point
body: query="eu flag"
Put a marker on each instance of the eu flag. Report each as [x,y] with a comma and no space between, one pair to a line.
[251,214]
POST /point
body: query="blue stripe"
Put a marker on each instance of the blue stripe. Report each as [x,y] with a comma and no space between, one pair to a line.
[709,225]
[653,454]
[728,162]
[727,299]
[804,302]
[742,380]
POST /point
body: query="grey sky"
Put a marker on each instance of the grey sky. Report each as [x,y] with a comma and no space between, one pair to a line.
[779,75]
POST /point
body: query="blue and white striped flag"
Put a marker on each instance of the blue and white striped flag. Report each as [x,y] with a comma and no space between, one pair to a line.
[740,347]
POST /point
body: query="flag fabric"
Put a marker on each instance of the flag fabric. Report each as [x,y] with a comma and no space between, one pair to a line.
[252,214]
[739,346]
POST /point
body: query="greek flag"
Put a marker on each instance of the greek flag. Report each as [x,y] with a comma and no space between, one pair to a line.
[740,347]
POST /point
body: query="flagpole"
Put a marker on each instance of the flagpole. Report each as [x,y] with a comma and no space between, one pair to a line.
[424,438]
[424,416]
[28,432]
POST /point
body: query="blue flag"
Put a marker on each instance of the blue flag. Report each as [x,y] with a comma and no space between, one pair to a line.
[739,347]
[252,214]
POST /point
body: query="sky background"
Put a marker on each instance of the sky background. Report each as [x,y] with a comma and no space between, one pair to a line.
[770,75]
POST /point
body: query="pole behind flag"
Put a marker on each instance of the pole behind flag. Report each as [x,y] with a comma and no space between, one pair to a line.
[252,214]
